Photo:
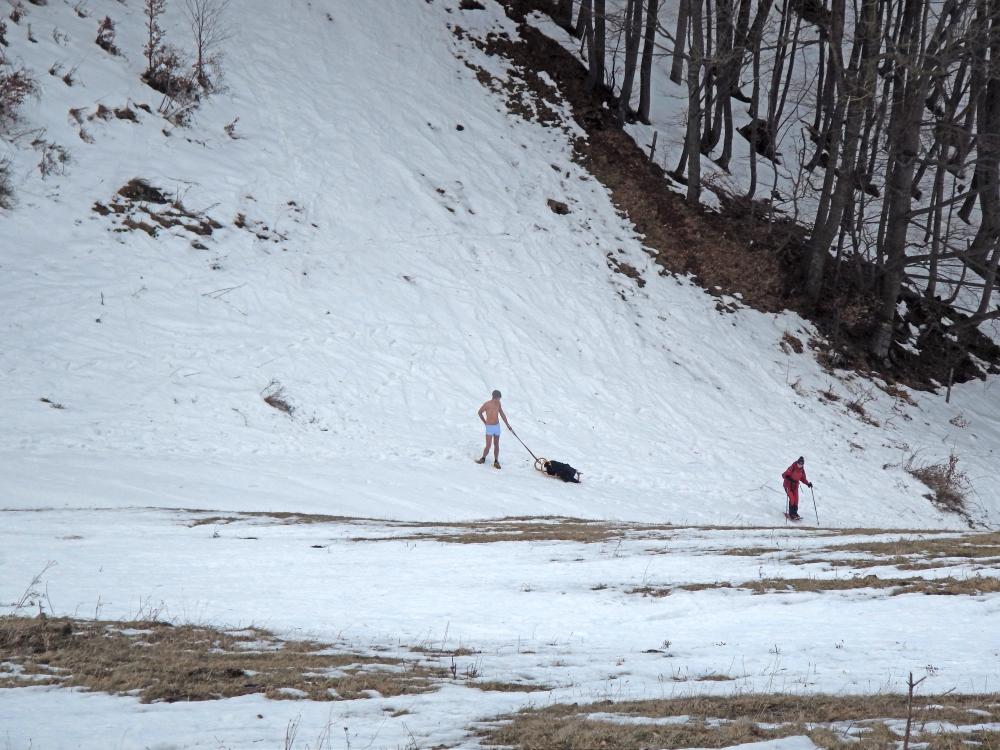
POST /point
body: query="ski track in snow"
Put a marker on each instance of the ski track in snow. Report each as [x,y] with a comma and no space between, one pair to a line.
[418,268]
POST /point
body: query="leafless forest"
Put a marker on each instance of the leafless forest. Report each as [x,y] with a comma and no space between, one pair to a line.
[884,114]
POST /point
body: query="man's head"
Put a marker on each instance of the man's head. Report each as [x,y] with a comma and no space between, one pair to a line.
[496,394]
[800,461]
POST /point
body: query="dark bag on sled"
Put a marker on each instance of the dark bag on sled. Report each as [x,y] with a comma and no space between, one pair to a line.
[564,471]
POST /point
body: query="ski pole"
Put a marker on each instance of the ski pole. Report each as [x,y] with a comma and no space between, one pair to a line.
[522,443]
[814,504]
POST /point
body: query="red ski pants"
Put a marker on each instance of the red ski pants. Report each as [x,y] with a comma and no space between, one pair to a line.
[792,490]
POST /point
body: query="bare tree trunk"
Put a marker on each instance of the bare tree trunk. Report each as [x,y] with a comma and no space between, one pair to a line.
[754,104]
[583,20]
[692,144]
[856,86]
[600,50]
[911,81]
[564,14]
[633,37]
[680,39]
[646,68]
[722,62]
[708,79]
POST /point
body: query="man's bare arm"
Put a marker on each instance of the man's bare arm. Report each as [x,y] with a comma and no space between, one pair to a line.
[505,419]
[481,411]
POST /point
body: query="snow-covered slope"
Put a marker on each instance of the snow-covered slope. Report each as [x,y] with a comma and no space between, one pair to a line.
[388,256]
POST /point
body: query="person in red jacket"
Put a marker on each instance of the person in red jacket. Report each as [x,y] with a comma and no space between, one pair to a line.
[793,475]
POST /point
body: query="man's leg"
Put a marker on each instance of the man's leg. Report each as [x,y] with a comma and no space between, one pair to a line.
[496,449]
[486,450]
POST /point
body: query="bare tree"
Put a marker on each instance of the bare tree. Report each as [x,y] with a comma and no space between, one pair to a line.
[692,140]
[633,38]
[154,32]
[207,19]
[564,14]
[646,67]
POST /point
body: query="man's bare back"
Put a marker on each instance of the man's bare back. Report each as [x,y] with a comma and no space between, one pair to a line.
[491,411]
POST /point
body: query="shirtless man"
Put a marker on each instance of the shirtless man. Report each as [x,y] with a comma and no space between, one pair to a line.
[490,413]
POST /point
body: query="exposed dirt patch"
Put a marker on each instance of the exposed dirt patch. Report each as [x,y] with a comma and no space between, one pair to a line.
[160,662]
[558,207]
[139,205]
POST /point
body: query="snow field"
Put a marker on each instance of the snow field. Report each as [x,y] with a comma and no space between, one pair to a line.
[420,268]
[391,271]
[555,614]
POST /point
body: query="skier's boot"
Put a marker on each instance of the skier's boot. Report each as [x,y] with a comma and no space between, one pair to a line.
[481,460]
[496,464]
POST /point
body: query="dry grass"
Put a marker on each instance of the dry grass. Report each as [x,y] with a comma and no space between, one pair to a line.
[282,517]
[972,586]
[740,719]
[507,687]
[160,662]
[751,551]
[966,546]
[569,530]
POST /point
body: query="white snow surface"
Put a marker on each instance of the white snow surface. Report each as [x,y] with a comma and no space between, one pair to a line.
[393,270]
[418,268]
[558,615]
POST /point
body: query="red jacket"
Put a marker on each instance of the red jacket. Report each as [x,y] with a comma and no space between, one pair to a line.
[793,475]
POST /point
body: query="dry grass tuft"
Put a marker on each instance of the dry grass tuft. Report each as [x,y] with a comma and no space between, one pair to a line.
[160,662]
[945,481]
[716,722]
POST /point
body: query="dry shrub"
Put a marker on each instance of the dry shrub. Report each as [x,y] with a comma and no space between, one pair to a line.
[790,343]
[274,396]
[161,662]
[899,393]
[106,36]
[6,186]
[946,482]
[137,189]
[16,85]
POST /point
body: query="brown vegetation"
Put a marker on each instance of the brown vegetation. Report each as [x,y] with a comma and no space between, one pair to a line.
[160,662]
[950,586]
[740,719]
